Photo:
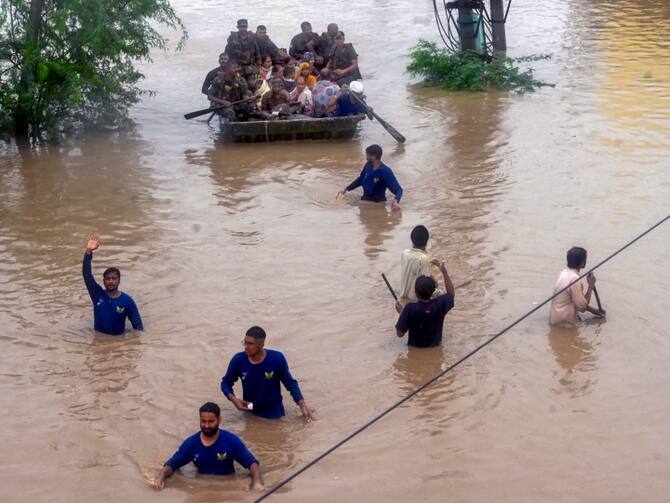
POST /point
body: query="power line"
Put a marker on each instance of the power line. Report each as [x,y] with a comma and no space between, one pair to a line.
[453,366]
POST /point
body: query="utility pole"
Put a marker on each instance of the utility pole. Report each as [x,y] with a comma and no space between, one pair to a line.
[467,24]
[498,27]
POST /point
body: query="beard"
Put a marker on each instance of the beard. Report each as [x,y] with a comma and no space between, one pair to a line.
[209,432]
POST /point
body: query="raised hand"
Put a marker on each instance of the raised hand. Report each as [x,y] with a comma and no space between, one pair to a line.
[93,243]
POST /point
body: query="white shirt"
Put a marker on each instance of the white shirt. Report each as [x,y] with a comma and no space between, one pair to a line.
[565,306]
[413,263]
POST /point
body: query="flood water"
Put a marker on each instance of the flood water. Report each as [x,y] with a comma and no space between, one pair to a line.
[212,239]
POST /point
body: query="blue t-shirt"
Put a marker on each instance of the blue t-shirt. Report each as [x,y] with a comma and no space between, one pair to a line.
[260,382]
[375,182]
[217,459]
[424,320]
[109,314]
[346,107]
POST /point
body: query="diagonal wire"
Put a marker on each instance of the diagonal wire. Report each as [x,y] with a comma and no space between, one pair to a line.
[453,366]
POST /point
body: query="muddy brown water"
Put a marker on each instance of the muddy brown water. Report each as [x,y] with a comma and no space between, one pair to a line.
[212,239]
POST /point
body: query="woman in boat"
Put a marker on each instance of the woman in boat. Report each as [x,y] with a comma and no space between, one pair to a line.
[302,96]
[306,73]
[266,68]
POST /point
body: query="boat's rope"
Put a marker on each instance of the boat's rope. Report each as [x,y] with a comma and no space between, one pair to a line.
[453,366]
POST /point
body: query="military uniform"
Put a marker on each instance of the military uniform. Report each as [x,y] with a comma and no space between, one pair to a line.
[299,43]
[267,47]
[231,90]
[341,57]
[324,47]
[244,51]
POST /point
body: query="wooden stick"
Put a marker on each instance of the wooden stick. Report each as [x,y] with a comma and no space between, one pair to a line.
[595,292]
[390,287]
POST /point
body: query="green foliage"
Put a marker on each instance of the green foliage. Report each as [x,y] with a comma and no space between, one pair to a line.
[467,71]
[76,68]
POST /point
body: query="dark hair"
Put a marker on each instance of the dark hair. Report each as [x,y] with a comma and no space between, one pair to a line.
[257,333]
[111,270]
[576,257]
[210,407]
[276,67]
[424,286]
[305,24]
[261,27]
[223,54]
[339,34]
[289,70]
[374,150]
[419,236]
[324,74]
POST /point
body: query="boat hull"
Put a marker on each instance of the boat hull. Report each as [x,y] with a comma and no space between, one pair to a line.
[294,129]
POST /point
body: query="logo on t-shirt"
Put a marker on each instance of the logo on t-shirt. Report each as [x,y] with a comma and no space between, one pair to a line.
[269,375]
[244,374]
[375,179]
[220,456]
[120,309]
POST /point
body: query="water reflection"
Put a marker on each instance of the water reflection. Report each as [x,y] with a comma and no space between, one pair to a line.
[575,355]
[379,223]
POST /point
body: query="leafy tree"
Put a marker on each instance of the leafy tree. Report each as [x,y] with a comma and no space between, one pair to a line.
[70,63]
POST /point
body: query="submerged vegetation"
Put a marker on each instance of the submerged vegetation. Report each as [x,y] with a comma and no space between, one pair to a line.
[468,71]
[71,63]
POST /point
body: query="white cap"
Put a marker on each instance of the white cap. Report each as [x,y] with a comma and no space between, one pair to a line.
[356,87]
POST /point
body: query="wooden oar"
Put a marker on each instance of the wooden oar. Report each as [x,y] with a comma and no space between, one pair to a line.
[595,292]
[205,111]
[391,130]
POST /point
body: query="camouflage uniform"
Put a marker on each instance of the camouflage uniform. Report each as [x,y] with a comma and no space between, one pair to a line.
[341,56]
[235,89]
[244,51]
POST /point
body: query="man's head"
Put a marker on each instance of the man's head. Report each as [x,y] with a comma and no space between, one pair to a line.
[254,340]
[289,72]
[111,278]
[419,237]
[277,85]
[357,88]
[306,27]
[424,287]
[210,416]
[332,29]
[292,62]
[373,153]
[231,69]
[339,38]
[224,59]
[261,31]
[324,74]
[576,258]
[242,26]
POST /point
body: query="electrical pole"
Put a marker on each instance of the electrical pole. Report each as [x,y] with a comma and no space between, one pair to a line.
[498,27]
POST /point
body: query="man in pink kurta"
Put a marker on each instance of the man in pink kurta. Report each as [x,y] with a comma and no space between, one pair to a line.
[567,304]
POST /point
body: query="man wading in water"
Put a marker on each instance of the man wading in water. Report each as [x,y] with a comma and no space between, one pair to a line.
[110,306]
[212,451]
[424,319]
[375,178]
[261,371]
[564,307]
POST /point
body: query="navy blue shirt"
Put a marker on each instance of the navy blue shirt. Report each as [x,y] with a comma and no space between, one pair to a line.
[424,320]
[346,107]
[217,459]
[375,182]
[109,314]
[260,382]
